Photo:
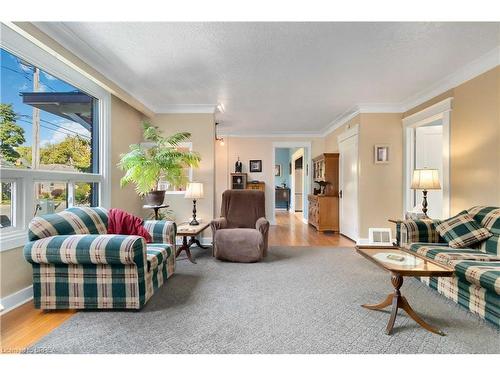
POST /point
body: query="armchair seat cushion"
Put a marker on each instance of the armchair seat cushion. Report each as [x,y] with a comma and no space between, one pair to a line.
[244,245]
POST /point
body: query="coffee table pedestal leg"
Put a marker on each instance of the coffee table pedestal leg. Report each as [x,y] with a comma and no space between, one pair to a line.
[187,245]
[398,301]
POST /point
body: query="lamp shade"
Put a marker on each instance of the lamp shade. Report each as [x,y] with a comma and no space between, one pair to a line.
[425,179]
[194,190]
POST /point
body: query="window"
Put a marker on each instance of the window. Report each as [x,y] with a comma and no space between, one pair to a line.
[6,207]
[52,136]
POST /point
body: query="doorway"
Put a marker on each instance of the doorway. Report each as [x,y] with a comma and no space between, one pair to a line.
[298,180]
[427,145]
[302,151]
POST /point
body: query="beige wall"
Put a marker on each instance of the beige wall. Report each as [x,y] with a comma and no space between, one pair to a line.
[380,185]
[331,142]
[15,272]
[253,148]
[474,141]
[126,129]
[202,129]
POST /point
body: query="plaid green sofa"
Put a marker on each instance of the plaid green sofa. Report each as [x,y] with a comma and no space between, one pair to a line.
[77,265]
[476,284]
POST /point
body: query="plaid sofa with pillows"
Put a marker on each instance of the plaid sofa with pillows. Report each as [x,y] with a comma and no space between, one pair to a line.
[476,283]
[77,265]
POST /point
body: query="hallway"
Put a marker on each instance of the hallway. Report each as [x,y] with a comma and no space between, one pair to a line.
[291,231]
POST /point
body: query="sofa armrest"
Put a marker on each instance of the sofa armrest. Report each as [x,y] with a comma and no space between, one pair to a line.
[87,249]
[262,225]
[162,231]
[424,230]
[219,223]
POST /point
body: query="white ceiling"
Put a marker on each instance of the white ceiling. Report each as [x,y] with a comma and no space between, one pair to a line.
[276,77]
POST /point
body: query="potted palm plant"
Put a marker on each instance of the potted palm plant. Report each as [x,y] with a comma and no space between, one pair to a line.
[157,159]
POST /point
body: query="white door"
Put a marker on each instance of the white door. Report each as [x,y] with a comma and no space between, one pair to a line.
[298,190]
[429,154]
[349,187]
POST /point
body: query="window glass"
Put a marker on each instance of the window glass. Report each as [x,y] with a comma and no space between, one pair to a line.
[85,194]
[6,205]
[46,123]
[50,197]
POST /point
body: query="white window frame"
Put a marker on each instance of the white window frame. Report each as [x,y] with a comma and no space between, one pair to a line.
[50,62]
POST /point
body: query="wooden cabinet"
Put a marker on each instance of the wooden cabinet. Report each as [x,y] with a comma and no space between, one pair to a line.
[238,180]
[326,170]
[256,185]
[324,207]
[323,212]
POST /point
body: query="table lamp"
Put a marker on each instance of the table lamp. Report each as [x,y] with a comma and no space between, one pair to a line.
[425,179]
[194,191]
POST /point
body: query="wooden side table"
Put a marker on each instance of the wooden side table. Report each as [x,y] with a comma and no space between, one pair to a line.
[408,264]
[192,231]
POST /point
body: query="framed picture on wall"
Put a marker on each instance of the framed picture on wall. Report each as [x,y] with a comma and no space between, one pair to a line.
[381,154]
[255,166]
[277,170]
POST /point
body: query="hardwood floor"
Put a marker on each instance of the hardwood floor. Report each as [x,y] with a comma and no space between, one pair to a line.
[24,325]
[291,231]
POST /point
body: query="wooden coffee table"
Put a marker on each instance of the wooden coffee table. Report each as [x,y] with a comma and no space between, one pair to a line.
[411,265]
[186,230]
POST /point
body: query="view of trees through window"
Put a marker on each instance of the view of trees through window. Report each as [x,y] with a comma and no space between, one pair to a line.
[43,117]
[45,124]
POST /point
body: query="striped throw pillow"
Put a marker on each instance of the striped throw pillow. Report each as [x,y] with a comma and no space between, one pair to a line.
[462,231]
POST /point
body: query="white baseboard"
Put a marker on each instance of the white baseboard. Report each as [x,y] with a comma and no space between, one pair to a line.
[16,299]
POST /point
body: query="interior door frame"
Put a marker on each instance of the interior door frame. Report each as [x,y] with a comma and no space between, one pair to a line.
[307,145]
[352,132]
[295,156]
[439,111]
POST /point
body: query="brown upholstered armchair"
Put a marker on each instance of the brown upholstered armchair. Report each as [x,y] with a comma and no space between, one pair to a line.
[240,235]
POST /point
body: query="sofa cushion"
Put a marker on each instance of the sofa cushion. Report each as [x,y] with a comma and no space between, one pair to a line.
[462,231]
[156,254]
[450,256]
[488,217]
[74,220]
[485,274]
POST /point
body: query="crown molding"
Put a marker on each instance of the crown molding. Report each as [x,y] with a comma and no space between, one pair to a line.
[269,135]
[475,68]
[340,120]
[187,108]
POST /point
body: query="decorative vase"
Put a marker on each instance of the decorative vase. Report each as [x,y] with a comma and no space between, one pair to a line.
[154,198]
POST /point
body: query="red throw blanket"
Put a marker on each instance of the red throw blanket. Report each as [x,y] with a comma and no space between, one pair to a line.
[121,222]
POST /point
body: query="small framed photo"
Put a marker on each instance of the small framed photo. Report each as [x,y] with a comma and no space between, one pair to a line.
[255,166]
[381,154]
[277,170]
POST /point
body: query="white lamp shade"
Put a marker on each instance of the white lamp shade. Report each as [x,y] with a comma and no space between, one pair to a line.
[425,179]
[194,190]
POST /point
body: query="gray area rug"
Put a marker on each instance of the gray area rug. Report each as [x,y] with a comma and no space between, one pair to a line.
[299,300]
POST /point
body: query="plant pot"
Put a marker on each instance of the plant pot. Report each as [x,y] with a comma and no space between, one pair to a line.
[154,198]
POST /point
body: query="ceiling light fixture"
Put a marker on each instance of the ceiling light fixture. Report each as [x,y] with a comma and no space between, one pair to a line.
[218,139]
